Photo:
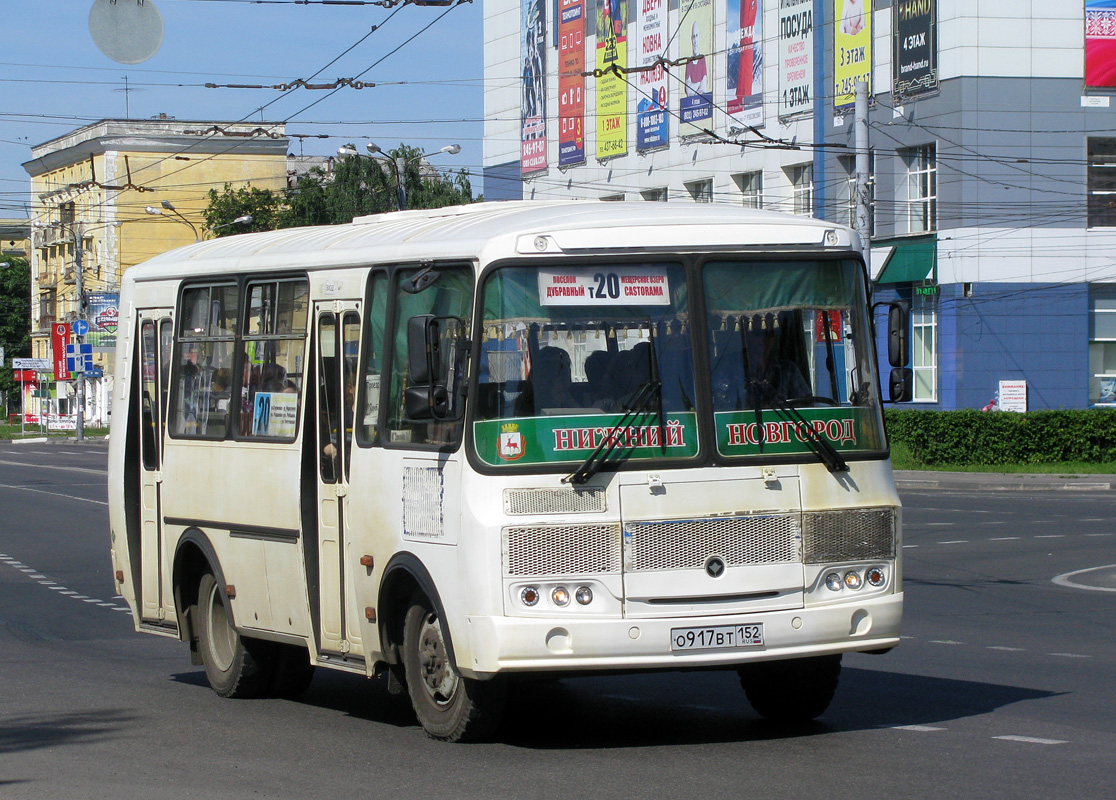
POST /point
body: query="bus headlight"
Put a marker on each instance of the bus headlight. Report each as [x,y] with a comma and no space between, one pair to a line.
[560,596]
[833,582]
[875,576]
[853,580]
[583,595]
[529,596]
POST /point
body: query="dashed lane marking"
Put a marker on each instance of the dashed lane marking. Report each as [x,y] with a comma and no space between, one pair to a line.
[920,728]
[1007,649]
[1069,655]
[40,578]
[1030,740]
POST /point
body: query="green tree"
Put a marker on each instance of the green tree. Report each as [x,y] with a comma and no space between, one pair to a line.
[15,319]
[263,205]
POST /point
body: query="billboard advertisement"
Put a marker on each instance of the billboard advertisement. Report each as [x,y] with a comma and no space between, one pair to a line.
[571,83]
[745,62]
[852,50]
[612,89]
[1100,43]
[102,315]
[651,114]
[533,101]
[915,46]
[796,57]
[695,42]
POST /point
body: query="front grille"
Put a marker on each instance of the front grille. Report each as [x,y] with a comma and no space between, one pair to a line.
[561,550]
[687,544]
[553,501]
[853,535]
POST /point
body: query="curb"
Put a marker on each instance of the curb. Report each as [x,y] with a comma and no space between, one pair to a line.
[997,482]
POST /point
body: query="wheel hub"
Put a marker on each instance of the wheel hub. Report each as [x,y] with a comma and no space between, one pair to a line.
[438,676]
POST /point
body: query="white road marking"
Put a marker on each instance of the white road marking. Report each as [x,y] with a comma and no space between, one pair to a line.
[1008,649]
[53,494]
[956,541]
[1069,655]
[1051,536]
[909,546]
[1064,579]
[944,641]
[50,466]
[921,728]
[1030,740]
[1004,539]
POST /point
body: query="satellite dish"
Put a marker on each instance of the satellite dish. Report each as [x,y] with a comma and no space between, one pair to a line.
[128,31]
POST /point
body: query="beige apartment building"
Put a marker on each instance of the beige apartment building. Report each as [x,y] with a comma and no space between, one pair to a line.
[123,191]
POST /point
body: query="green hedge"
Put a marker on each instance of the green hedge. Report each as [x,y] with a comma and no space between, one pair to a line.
[972,437]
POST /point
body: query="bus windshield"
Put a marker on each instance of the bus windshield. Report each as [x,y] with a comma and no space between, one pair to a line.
[567,350]
[578,357]
[790,337]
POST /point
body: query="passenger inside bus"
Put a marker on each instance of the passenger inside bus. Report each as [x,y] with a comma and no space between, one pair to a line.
[549,384]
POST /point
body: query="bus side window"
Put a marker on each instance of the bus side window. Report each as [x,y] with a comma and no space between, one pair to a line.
[448,295]
[375,319]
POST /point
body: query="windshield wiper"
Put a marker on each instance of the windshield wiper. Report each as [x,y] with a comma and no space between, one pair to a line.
[824,450]
[600,455]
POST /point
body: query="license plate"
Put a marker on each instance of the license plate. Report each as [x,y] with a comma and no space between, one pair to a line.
[720,637]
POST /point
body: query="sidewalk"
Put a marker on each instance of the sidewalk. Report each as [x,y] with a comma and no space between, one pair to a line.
[1004,482]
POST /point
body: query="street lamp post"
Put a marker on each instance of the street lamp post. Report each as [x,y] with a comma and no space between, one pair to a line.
[158,212]
[398,165]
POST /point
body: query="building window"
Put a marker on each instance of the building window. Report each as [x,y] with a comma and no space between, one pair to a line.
[924,348]
[918,197]
[1102,346]
[701,191]
[1102,183]
[751,188]
[612,198]
[802,188]
[655,195]
[48,308]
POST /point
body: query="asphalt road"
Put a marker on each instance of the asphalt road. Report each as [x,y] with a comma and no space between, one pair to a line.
[1003,686]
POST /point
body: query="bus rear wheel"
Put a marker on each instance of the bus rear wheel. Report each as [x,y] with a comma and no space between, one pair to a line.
[235,666]
[792,691]
[449,707]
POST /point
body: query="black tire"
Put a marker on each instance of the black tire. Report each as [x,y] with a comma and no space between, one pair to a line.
[793,691]
[449,707]
[291,671]
[235,666]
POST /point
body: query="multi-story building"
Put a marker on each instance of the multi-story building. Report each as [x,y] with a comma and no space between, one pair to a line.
[992,149]
[115,193]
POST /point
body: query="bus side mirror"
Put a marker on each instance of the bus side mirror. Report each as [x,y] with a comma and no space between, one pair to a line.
[898,335]
[435,383]
[901,385]
[423,349]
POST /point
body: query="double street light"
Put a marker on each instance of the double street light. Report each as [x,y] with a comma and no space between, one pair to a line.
[398,164]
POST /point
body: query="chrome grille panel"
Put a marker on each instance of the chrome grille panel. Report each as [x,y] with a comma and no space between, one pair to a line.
[553,501]
[561,550]
[688,543]
[851,535]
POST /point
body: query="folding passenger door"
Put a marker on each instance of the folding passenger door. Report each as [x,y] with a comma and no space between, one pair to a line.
[337,338]
[154,346]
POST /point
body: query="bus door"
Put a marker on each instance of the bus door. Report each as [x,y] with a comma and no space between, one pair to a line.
[155,339]
[338,342]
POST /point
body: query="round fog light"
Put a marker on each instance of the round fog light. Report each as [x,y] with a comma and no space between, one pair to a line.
[833,582]
[560,596]
[875,576]
[584,595]
[853,580]
[529,596]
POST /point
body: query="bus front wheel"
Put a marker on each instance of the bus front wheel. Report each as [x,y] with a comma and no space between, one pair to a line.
[232,663]
[791,691]
[449,707]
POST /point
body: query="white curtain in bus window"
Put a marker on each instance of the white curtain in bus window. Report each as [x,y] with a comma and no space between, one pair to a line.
[273,352]
[203,385]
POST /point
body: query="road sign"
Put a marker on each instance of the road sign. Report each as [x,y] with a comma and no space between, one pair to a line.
[80,327]
[37,364]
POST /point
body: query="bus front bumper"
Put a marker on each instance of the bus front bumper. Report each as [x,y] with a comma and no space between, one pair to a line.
[523,644]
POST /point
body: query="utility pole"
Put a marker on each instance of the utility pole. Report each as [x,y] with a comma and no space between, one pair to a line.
[79,359]
[400,180]
[863,218]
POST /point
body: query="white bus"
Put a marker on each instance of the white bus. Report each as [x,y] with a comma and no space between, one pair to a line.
[485,442]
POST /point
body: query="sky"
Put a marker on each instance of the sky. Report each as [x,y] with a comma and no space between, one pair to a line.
[428,92]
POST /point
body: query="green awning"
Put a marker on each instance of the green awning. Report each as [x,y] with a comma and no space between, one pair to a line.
[910,261]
